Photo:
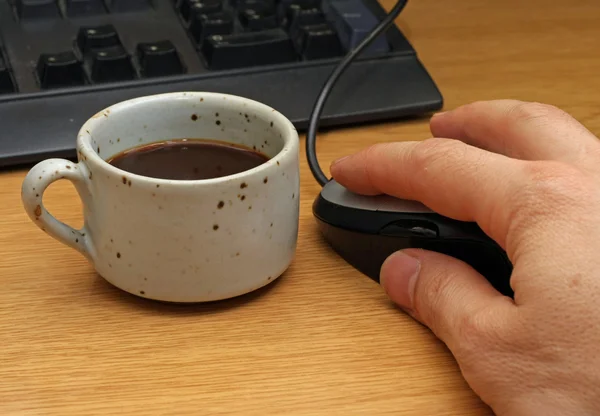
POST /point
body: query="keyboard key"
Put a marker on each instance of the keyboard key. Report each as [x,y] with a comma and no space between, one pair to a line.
[59,70]
[189,8]
[353,22]
[76,8]
[264,6]
[37,9]
[248,49]
[204,25]
[258,19]
[297,17]
[127,5]
[6,84]
[284,6]
[159,59]
[97,37]
[318,42]
[111,64]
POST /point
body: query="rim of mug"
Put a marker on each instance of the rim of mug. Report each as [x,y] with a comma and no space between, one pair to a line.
[84,137]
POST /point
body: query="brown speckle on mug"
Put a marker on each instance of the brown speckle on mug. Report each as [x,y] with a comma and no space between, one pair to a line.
[218,122]
[118,255]
[265,180]
[142,292]
[221,204]
[271,124]
[243,197]
[216,227]
[124,180]
[129,183]
[194,117]
[90,176]
[38,211]
[243,185]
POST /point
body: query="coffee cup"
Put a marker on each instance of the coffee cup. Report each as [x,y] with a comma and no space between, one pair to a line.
[179,240]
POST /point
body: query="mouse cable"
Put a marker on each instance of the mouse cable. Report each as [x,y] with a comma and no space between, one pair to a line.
[313,126]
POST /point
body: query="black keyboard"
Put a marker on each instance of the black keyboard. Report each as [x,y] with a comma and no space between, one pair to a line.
[61,61]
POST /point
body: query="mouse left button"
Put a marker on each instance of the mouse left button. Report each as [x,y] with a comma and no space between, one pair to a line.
[410,228]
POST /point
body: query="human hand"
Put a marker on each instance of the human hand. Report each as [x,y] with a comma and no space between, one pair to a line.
[529,175]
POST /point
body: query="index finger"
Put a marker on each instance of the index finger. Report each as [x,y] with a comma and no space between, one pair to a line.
[450,177]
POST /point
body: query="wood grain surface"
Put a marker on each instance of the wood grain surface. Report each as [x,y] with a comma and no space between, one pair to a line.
[323,339]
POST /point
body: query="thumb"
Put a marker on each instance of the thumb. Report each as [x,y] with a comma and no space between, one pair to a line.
[445,294]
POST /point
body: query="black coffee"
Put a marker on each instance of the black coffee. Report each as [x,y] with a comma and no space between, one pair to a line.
[188,159]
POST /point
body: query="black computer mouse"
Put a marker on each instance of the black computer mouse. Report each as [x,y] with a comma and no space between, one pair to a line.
[365,230]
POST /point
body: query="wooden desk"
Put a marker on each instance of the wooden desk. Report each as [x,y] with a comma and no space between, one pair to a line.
[321,340]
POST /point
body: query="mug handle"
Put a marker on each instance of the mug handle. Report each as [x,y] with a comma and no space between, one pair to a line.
[35,184]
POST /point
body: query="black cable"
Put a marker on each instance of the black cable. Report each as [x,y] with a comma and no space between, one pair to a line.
[313,126]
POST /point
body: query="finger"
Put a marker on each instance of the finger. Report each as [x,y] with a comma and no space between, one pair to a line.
[528,131]
[446,295]
[450,177]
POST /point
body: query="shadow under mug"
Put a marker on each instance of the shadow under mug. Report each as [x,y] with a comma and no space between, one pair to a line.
[175,240]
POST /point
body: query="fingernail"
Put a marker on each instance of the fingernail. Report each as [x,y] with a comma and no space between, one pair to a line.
[335,162]
[398,276]
[438,114]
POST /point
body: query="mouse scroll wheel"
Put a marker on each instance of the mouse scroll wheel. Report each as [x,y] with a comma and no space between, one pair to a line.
[410,228]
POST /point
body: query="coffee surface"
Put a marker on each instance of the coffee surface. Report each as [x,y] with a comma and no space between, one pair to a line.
[188,159]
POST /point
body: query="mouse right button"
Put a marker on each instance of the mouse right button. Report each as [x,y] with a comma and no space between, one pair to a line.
[410,228]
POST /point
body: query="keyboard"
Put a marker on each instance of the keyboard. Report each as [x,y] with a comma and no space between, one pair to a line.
[61,61]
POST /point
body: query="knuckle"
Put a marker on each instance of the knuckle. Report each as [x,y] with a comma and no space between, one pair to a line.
[471,331]
[432,297]
[550,184]
[436,151]
[372,166]
[533,112]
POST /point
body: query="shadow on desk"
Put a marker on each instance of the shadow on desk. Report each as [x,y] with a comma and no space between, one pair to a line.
[115,294]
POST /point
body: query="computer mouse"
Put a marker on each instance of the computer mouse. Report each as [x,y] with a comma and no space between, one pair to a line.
[365,230]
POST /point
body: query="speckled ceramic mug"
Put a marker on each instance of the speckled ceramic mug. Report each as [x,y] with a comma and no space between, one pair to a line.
[179,241]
